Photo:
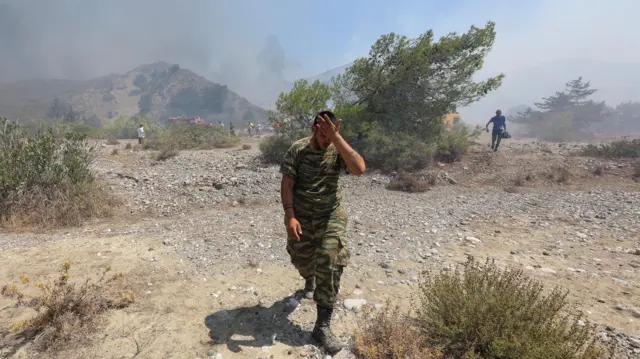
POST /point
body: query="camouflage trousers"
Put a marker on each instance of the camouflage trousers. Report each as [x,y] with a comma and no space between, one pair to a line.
[322,253]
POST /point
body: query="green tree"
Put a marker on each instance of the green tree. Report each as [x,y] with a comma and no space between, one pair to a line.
[566,114]
[408,85]
[295,109]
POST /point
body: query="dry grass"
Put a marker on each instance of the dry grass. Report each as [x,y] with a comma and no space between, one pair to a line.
[166,154]
[65,313]
[560,174]
[407,183]
[114,152]
[112,141]
[433,179]
[253,262]
[519,181]
[389,334]
[42,209]
[246,147]
[128,146]
[599,171]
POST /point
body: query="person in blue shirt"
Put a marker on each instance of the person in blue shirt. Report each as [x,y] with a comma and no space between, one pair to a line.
[499,126]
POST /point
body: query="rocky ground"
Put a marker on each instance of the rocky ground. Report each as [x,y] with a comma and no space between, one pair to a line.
[202,237]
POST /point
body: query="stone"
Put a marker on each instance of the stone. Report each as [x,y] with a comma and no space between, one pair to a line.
[354,304]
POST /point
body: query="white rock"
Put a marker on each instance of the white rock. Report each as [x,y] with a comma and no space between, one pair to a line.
[473,240]
[548,270]
[354,304]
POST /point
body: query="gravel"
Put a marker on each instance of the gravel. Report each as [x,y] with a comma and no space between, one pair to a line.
[223,208]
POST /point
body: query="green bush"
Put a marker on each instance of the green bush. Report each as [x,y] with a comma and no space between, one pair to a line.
[396,152]
[453,145]
[273,148]
[47,178]
[486,312]
[624,148]
[405,152]
[187,137]
[388,152]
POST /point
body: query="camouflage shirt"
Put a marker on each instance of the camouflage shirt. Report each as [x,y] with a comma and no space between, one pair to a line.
[316,191]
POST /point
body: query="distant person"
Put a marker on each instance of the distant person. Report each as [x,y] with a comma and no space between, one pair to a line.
[232,129]
[277,128]
[250,128]
[140,134]
[499,126]
[259,129]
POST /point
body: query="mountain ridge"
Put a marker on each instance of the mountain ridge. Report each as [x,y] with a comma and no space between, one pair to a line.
[159,90]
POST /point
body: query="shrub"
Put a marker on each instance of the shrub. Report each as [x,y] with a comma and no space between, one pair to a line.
[186,137]
[453,145]
[112,140]
[65,312]
[166,154]
[599,171]
[114,152]
[396,152]
[636,170]
[492,313]
[407,183]
[390,334]
[388,152]
[273,148]
[246,147]
[47,178]
[624,148]
[406,152]
[128,146]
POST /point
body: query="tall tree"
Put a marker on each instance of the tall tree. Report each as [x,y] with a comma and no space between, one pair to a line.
[565,113]
[408,85]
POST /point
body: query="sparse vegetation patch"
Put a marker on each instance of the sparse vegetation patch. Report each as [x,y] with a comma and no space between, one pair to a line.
[64,311]
[47,179]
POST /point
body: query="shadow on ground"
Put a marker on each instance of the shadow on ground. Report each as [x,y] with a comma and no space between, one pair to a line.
[265,325]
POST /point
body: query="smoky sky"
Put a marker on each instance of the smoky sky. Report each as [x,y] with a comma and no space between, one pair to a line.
[75,39]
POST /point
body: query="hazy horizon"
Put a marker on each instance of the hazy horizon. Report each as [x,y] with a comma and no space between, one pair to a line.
[257,49]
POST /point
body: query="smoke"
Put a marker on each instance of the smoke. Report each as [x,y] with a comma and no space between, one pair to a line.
[226,41]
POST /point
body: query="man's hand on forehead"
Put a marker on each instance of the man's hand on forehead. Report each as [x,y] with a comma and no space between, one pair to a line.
[327,127]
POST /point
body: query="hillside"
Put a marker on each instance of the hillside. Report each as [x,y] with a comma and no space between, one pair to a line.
[159,90]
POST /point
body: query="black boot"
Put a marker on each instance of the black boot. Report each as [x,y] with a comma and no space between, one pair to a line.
[309,287]
[322,332]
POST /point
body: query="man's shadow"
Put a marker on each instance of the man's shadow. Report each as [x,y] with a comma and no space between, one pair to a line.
[264,325]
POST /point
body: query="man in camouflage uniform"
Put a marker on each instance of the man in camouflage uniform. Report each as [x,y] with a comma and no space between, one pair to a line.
[315,219]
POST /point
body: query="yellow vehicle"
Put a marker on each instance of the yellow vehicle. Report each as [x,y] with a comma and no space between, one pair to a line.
[450,119]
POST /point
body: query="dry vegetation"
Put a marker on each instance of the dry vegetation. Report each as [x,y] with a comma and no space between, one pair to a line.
[479,311]
[47,179]
[64,312]
[406,182]
[166,154]
[187,137]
